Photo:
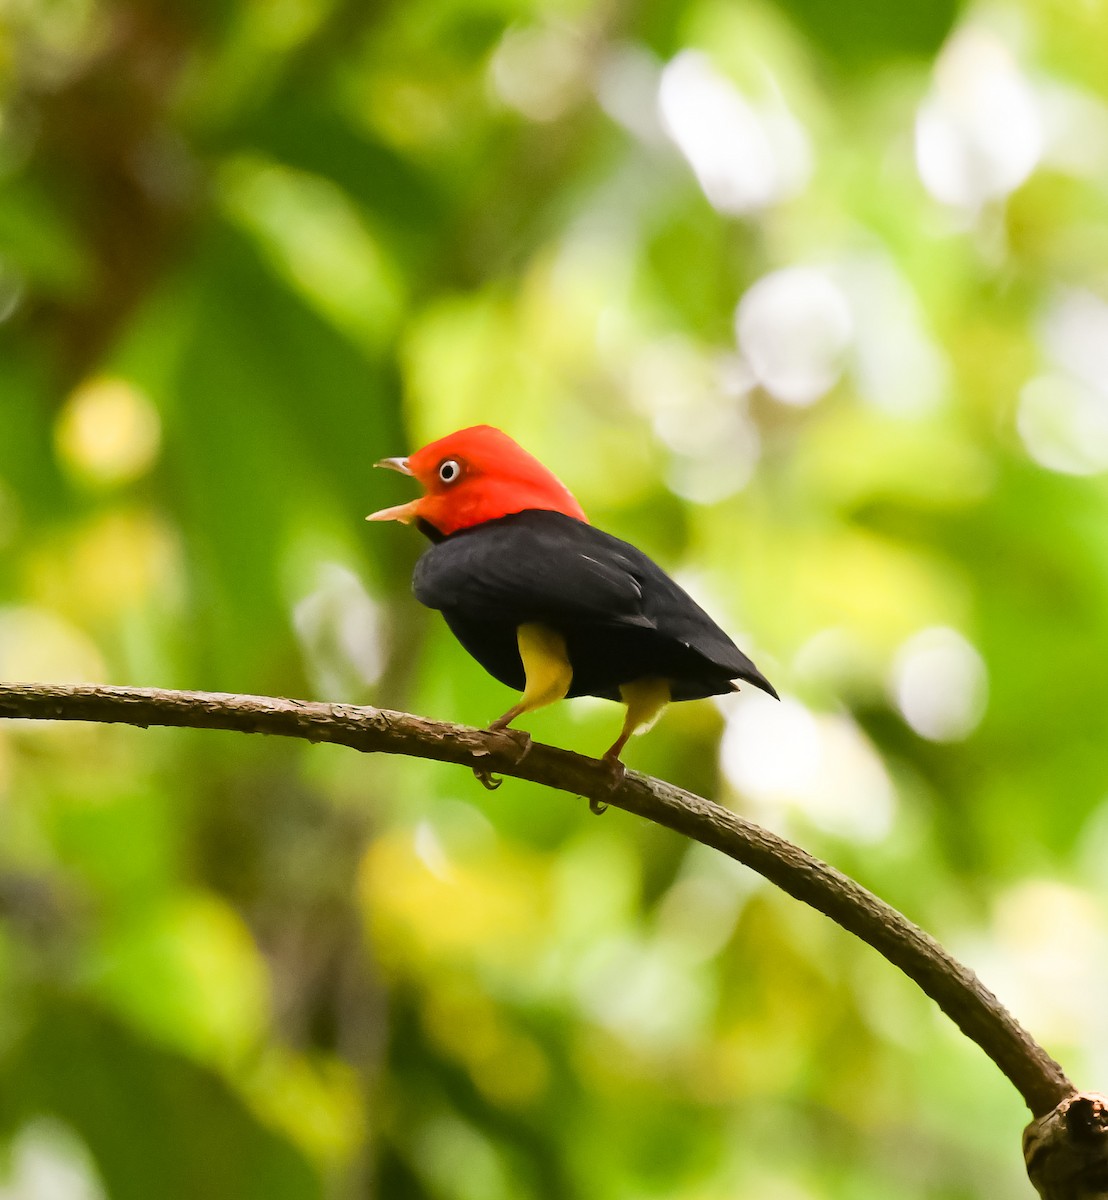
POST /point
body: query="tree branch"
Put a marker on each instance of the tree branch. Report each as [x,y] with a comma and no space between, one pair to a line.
[956,990]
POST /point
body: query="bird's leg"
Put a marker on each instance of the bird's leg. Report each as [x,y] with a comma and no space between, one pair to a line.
[506,720]
[645,699]
[611,755]
[547,675]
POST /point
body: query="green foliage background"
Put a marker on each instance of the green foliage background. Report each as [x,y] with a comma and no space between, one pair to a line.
[248,249]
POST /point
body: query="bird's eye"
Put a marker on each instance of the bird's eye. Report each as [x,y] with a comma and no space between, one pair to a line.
[449,470]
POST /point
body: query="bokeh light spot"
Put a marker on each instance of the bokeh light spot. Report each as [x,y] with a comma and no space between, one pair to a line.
[1074,332]
[119,561]
[979,133]
[457,1159]
[539,71]
[627,90]
[1075,125]
[1048,953]
[108,432]
[1064,425]
[641,990]
[313,1097]
[47,1160]
[37,645]
[746,156]
[940,684]
[898,368]
[784,758]
[338,625]
[698,408]
[793,327]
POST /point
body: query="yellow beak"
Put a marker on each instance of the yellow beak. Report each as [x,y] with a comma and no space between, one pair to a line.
[395,464]
[400,512]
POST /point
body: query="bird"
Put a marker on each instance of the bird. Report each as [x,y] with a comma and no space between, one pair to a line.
[547,603]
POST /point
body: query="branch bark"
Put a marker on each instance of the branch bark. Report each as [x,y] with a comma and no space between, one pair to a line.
[957,991]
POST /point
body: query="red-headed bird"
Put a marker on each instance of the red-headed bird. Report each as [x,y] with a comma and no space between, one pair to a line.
[547,604]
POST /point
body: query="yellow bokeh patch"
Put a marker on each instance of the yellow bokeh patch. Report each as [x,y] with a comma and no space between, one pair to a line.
[505,1064]
[108,432]
[119,560]
[421,914]
[316,1100]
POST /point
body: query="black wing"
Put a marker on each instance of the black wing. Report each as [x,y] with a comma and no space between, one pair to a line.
[520,569]
[622,615]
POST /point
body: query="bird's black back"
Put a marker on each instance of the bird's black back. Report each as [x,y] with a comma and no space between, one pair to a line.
[621,615]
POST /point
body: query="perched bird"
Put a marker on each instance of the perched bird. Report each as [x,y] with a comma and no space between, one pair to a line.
[547,604]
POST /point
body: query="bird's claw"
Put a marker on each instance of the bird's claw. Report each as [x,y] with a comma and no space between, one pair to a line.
[523,740]
[615,772]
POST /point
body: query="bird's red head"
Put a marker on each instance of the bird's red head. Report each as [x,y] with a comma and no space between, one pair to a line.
[473,476]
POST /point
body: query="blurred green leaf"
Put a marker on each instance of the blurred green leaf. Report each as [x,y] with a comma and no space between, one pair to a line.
[860,34]
[197,1140]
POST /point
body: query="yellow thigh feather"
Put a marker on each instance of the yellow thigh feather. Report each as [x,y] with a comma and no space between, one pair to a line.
[545,666]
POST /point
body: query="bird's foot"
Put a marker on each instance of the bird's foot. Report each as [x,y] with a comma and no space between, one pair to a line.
[616,772]
[523,743]
[502,722]
[522,740]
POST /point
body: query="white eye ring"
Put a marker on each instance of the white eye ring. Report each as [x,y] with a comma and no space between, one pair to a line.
[449,470]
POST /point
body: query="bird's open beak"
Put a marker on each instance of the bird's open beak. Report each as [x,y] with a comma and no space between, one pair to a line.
[395,464]
[400,512]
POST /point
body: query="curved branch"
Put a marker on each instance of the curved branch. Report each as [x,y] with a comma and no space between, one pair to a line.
[956,990]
